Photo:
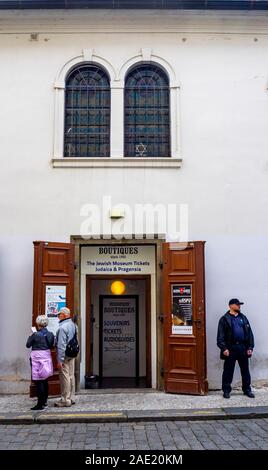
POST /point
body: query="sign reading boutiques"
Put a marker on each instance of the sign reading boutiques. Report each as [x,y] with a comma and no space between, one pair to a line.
[118,259]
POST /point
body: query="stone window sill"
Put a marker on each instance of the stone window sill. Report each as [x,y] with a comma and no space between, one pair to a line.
[169,162]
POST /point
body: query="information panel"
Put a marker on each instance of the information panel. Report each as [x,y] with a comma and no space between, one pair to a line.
[182,309]
[55,300]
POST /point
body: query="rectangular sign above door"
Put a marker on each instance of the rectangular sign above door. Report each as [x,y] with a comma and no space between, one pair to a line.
[118,259]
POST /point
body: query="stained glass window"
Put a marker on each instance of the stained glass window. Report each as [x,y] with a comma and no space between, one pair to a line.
[147,112]
[87,112]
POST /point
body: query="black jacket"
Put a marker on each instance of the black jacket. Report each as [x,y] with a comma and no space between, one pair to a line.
[225,333]
[41,340]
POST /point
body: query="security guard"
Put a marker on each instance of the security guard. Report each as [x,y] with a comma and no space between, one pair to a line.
[236,342]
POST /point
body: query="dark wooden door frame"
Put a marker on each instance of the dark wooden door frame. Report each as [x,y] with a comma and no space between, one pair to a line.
[98,277]
[137,356]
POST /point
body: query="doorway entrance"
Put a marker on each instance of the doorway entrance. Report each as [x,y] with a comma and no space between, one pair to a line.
[170,339]
[119,341]
[118,330]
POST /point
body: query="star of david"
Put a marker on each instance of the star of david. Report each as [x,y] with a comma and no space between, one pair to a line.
[141,149]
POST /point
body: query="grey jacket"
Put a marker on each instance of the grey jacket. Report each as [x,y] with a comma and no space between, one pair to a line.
[64,334]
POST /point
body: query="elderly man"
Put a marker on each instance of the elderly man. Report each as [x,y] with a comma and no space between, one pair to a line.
[236,342]
[66,331]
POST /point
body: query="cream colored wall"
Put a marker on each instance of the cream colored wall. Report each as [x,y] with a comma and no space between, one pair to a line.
[220,61]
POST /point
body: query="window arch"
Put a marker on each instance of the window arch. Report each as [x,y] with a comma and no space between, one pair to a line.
[87,112]
[147,112]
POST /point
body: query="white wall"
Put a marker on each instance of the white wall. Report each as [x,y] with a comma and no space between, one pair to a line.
[222,66]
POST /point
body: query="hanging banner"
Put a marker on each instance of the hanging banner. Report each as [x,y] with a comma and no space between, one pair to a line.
[182,309]
[119,337]
[55,300]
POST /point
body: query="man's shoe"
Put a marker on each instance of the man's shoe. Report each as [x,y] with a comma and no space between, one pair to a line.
[62,404]
[72,402]
[226,395]
[249,394]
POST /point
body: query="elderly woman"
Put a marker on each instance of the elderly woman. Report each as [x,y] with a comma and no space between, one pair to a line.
[41,342]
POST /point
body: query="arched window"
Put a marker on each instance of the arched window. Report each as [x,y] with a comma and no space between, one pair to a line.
[87,112]
[147,113]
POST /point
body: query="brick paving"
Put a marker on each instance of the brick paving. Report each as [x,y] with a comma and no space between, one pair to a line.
[234,434]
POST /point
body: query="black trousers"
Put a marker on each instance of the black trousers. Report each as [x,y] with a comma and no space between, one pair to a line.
[42,391]
[238,354]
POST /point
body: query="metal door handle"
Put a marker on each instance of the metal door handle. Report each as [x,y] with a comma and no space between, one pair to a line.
[161,317]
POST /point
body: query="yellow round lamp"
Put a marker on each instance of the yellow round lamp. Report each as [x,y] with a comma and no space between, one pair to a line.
[118,287]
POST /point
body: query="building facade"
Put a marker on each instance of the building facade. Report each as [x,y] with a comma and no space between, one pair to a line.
[110,114]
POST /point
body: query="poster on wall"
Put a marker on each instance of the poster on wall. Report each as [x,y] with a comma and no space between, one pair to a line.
[182,309]
[119,337]
[55,300]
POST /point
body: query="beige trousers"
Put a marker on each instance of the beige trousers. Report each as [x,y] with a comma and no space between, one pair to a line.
[67,382]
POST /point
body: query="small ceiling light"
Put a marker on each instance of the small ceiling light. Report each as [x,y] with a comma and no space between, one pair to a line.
[118,287]
[117,213]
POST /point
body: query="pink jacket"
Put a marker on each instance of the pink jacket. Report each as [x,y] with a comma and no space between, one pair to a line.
[42,366]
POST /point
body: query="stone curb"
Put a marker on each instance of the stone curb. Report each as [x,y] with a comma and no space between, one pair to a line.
[134,415]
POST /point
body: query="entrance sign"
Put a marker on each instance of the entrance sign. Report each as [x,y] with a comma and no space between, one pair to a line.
[55,300]
[182,309]
[118,259]
[119,340]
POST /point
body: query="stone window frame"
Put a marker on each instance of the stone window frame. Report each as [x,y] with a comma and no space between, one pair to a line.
[117,80]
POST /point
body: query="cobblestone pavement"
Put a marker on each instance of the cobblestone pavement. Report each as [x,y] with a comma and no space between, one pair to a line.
[99,400]
[182,435]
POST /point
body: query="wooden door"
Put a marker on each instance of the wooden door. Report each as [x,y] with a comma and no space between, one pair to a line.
[184,318]
[53,281]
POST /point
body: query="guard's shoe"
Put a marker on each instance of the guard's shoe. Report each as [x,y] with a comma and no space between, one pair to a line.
[226,395]
[37,407]
[249,394]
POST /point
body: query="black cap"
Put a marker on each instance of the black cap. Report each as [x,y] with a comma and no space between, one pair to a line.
[235,301]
